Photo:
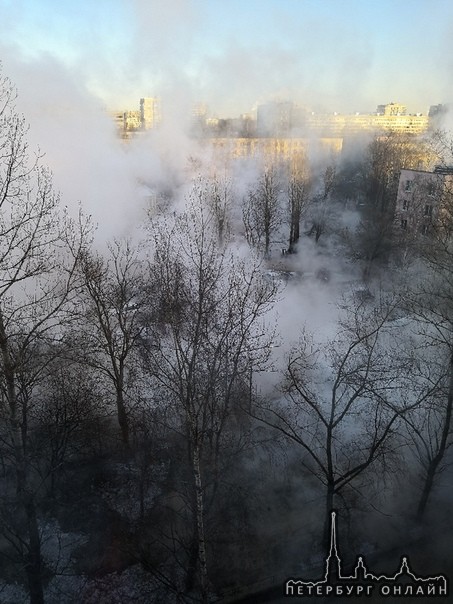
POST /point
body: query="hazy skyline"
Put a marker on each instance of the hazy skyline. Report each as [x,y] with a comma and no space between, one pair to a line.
[335,55]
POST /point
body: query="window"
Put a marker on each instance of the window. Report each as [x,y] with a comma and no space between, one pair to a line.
[404,224]
[428,211]
[405,204]
[408,185]
[431,189]
[424,229]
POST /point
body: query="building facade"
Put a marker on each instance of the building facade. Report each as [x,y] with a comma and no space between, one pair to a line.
[284,119]
[424,201]
[132,121]
[275,149]
[391,109]
[150,112]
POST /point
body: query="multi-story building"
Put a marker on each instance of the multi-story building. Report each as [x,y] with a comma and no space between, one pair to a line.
[438,110]
[278,118]
[438,114]
[274,150]
[336,124]
[424,200]
[199,119]
[391,109]
[285,119]
[132,121]
[150,112]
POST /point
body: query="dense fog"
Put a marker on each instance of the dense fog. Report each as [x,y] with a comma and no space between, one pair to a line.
[203,353]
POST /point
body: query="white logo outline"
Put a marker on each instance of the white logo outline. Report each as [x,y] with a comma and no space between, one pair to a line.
[333,576]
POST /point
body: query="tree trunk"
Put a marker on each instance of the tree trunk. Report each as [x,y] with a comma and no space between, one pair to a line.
[328,509]
[33,557]
[267,243]
[201,543]
[427,488]
[294,232]
[32,561]
[141,491]
[193,558]
[122,416]
[436,460]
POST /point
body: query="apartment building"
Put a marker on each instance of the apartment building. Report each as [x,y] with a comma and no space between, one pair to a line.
[150,112]
[345,125]
[275,149]
[424,200]
[132,120]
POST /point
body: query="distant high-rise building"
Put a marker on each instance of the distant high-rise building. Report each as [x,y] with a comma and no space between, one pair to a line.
[437,110]
[275,118]
[437,114]
[199,119]
[132,120]
[389,119]
[391,109]
[150,112]
[200,110]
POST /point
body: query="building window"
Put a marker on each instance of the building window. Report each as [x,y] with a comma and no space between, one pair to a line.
[408,185]
[404,224]
[424,229]
[431,189]
[405,204]
[428,211]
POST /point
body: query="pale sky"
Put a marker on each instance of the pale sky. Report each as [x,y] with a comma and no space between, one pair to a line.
[340,55]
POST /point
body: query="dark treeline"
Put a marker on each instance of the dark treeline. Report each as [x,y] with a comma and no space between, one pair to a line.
[141,457]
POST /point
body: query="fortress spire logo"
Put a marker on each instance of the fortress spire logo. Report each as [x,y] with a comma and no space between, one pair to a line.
[403,583]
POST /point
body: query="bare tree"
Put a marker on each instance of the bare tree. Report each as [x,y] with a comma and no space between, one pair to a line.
[298,195]
[436,441]
[429,425]
[320,207]
[66,414]
[429,300]
[209,312]
[39,251]
[261,211]
[385,157]
[110,327]
[341,404]
[219,203]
